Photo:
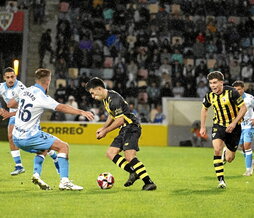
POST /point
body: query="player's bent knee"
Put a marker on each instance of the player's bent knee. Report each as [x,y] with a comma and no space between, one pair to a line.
[110,154]
[230,159]
[60,146]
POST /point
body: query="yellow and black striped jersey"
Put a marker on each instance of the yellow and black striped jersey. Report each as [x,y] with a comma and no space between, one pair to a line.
[116,107]
[225,105]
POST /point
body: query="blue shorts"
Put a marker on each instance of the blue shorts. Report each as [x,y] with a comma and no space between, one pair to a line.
[12,121]
[39,142]
[246,136]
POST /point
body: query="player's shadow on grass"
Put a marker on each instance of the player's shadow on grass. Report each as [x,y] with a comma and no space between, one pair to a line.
[209,191]
[109,191]
[101,191]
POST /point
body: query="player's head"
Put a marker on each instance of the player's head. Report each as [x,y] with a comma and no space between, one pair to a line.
[43,77]
[239,86]
[96,88]
[216,80]
[9,76]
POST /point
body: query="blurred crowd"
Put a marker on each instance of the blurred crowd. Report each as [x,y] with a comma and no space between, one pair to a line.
[144,49]
[149,49]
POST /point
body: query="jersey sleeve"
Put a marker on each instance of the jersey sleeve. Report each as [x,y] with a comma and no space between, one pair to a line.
[237,98]
[21,87]
[206,101]
[47,102]
[116,107]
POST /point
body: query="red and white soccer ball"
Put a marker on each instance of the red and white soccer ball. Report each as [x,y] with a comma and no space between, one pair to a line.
[105,180]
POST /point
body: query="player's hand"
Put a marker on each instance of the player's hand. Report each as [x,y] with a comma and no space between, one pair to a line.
[202,131]
[101,134]
[230,128]
[98,130]
[6,114]
[88,115]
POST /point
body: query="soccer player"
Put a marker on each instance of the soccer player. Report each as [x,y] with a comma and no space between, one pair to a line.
[247,127]
[28,136]
[8,90]
[127,139]
[229,109]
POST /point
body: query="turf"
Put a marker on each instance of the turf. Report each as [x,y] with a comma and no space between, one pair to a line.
[185,178]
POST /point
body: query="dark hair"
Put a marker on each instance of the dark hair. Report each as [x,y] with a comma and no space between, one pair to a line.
[9,69]
[238,83]
[215,75]
[95,82]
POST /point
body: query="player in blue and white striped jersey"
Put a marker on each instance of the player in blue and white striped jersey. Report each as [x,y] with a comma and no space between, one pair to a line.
[247,127]
[28,135]
[8,90]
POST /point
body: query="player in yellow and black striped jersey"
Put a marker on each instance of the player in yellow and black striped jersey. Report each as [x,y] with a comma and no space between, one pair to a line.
[229,109]
[119,116]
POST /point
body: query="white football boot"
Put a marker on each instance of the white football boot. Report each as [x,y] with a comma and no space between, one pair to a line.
[38,181]
[222,184]
[66,184]
[248,172]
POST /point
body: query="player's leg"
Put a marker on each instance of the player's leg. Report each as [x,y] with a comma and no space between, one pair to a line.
[232,141]
[130,147]
[114,150]
[139,169]
[53,155]
[230,155]
[113,154]
[247,139]
[36,178]
[218,145]
[15,152]
[63,151]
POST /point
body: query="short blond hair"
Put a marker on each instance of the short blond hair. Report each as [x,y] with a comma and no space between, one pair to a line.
[42,74]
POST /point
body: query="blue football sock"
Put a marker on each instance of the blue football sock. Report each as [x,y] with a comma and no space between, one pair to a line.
[53,155]
[63,165]
[16,157]
[248,158]
[38,161]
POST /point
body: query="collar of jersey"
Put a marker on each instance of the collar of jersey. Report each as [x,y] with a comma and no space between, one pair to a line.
[244,95]
[12,86]
[40,87]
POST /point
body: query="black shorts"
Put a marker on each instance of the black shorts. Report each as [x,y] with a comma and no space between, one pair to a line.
[231,139]
[128,138]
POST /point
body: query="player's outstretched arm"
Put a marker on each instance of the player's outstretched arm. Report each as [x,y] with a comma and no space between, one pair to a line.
[71,110]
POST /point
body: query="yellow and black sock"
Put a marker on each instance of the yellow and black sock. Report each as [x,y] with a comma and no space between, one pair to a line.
[219,167]
[122,163]
[139,168]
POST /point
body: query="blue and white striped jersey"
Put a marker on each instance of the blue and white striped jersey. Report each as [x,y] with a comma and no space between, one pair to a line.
[249,102]
[32,102]
[11,92]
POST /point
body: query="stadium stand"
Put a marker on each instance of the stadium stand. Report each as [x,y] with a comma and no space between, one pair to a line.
[127,43]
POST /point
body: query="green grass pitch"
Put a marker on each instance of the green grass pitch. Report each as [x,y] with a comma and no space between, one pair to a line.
[185,178]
